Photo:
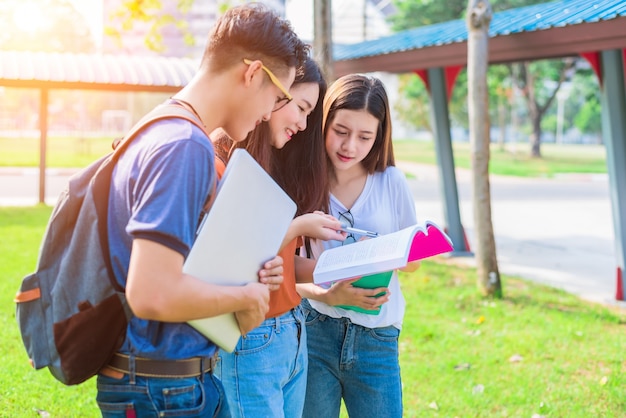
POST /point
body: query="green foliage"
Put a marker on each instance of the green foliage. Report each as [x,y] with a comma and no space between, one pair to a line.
[549,123]
[149,14]
[413,107]
[589,120]
[415,13]
[542,77]
[544,74]
[413,103]
[412,14]
[537,351]
[457,105]
[583,104]
[223,6]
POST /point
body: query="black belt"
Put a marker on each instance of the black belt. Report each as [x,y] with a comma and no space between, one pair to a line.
[191,367]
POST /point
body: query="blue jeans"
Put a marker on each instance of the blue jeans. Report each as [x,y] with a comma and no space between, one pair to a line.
[265,376]
[351,362]
[200,396]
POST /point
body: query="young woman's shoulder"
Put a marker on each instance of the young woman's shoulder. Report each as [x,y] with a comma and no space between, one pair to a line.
[391,174]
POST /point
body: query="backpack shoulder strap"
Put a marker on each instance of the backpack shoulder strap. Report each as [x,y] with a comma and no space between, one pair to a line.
[163,111]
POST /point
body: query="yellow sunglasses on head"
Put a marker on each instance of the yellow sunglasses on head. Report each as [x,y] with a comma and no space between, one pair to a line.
[282,102]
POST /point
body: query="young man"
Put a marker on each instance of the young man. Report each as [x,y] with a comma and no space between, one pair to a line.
[158,191]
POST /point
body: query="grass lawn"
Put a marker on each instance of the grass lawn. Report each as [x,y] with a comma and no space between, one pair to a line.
[512,160]
[60,152]
[536,351]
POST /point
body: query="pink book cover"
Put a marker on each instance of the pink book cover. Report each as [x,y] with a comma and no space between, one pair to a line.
[429,244]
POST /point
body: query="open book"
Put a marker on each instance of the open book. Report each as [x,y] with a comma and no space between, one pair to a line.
[375,259]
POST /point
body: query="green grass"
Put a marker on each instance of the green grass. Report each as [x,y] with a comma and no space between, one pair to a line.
[23,391]
[60,152]
[514,160]
[459,350]
[537,351]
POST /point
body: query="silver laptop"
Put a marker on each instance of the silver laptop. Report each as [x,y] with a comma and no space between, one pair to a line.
[243,229]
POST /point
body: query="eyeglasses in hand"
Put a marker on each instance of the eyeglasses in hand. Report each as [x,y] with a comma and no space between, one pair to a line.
[347,216]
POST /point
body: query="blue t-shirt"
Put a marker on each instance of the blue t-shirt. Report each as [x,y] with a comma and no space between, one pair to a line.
[158,190]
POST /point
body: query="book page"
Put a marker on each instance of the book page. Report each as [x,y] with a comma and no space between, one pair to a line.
[380,254]
[370,252]
[367,251]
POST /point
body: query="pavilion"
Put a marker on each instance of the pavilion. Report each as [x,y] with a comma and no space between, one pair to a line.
[593,29]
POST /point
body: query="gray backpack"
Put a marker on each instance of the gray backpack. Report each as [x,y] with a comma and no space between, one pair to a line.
[71,312]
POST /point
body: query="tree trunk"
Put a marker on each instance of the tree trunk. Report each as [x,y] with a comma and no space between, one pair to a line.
[501,122]
[322,37]
[534,112]
[535,137]
[478,19]
[526,82]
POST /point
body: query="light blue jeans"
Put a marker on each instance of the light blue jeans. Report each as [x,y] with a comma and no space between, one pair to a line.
[265,376]
[351,362]
[200,396]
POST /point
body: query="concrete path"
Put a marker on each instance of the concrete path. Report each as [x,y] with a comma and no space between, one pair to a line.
[19,186]
[554,231]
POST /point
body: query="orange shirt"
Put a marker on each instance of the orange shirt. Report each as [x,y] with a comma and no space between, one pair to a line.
[286,297]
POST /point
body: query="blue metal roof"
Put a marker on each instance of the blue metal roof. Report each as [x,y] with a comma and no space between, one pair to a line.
[524,19]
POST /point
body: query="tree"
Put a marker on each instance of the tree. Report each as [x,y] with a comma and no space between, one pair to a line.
[584,103]
[415,13]
[413,106]
[411,14]
[151,15]
[478,19]
[531,79]
[588,120]
[322,18]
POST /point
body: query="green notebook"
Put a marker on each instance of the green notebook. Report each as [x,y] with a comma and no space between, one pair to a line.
[370,281]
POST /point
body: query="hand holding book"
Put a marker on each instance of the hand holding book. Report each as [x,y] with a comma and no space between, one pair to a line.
[362,298]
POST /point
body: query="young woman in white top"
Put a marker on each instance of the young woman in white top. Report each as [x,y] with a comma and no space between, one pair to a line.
[354,355]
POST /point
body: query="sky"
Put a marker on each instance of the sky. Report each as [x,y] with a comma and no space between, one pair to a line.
[92,11]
